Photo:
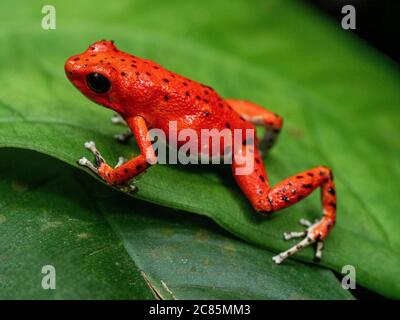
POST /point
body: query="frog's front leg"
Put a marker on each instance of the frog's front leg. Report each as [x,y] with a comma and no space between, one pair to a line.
[266,200]
[91,146]
[124,171]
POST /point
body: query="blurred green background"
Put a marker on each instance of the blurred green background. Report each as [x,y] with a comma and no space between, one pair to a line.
[340,100]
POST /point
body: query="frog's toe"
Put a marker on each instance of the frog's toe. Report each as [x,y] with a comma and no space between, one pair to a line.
[123,137]
[296,248]
[121,161]
[91,146]
[117,119]
[86,163]
[292,235]
[310,236]
[307,223]
[127,187]
[318,251]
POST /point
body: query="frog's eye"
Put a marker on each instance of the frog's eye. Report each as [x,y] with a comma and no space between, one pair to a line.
[98,83]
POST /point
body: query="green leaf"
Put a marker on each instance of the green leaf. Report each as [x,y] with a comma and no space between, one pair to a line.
[339,99]
[47,219]
[105,245]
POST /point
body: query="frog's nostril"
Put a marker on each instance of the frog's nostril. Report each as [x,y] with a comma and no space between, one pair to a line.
[69,66]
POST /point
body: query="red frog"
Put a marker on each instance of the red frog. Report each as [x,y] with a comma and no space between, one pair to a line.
[145,95]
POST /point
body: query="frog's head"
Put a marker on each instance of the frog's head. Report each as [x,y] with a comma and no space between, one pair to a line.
[96,74]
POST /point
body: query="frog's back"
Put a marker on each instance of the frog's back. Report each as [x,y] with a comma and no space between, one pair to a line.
[181,99]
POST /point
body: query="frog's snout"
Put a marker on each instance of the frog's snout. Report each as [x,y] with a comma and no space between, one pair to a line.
[70,66]
[75,70]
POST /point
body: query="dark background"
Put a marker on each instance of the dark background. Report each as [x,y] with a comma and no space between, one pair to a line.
[377,21]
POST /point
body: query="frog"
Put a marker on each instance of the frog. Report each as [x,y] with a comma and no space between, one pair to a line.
[144,95]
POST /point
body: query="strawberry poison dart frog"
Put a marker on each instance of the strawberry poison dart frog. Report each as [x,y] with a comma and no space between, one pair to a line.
[145,95]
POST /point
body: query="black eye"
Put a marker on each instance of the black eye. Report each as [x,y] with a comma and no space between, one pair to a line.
[98,83]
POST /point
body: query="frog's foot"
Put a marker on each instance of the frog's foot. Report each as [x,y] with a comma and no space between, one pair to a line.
[91,146]
[313,234]
[87,163]
[127,187]
[99,160]
[117,119]
[123,137]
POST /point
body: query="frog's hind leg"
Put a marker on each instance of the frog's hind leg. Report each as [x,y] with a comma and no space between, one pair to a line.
[257,115]
[123,137]
[266,200]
